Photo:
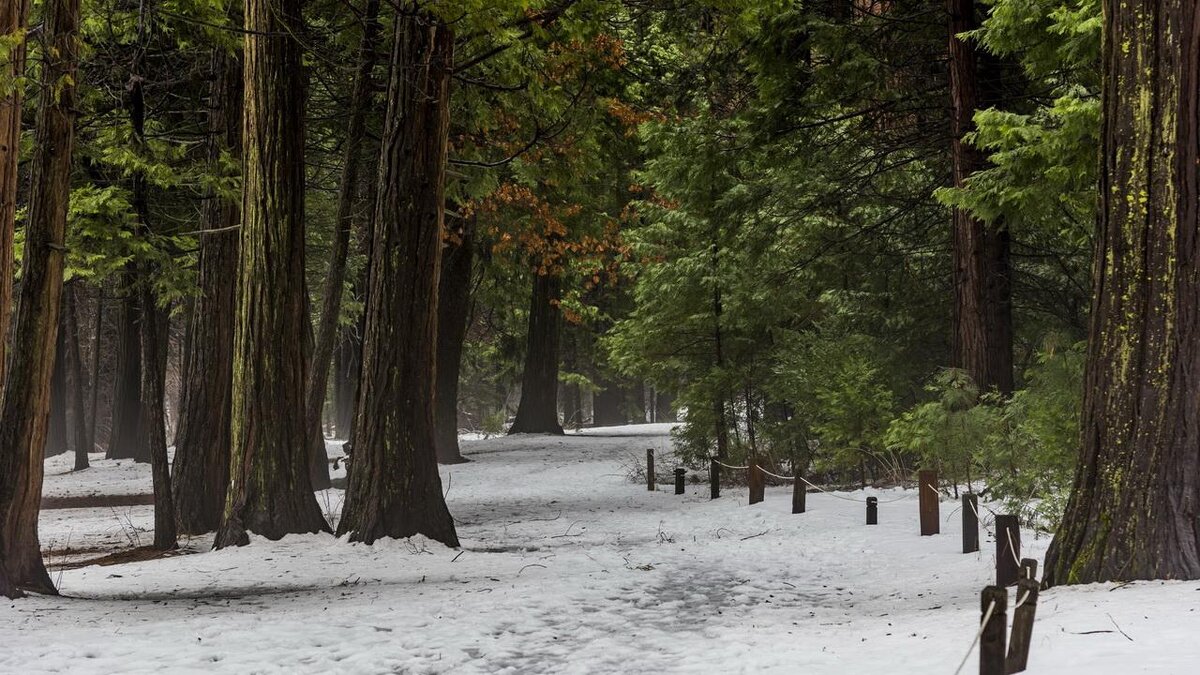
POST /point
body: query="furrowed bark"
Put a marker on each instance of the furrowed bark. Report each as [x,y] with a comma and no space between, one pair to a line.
[1134,508]
[982,341]
[25,408]
[201,470]
[13,16]
[270,492]
[394,487]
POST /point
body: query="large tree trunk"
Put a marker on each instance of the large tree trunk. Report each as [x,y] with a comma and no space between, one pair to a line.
[1133,511]
[13,16]
[270,492]
[335,278]
[125,439]
[26,398]
[394,488]
[201,469]
[983,333]
[454,308]
[537,412]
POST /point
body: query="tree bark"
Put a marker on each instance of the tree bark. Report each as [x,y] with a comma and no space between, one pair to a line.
[26,398]
[13,17]
[270,492]
[537,412]
[154,343]
[76,382]
[394,488]
[454,308]
[56,433]
[94,402]
[125,439]
[335,279]
[345,379]
[201,470]
[983,332]
[1133,510]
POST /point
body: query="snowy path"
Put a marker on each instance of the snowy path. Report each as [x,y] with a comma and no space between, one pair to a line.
[568,567]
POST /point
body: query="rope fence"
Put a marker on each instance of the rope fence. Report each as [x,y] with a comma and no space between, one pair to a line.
[808,483]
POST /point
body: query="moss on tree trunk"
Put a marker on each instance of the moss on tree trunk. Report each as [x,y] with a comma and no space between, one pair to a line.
[1133,510]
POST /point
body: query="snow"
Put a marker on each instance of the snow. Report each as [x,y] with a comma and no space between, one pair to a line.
[568,566]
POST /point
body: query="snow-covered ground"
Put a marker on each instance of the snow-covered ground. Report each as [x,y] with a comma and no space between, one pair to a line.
[567,566]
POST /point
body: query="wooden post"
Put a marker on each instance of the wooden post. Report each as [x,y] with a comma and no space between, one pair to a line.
[991,640]
[714,479]
[1022,627]
[927,489]
[799,495]
[970,520]
[650,469]
[872,511]
[679,475]
[1008,550]
[757,483]
[1029,568]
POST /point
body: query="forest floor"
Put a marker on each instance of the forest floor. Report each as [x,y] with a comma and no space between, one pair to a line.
[566,566]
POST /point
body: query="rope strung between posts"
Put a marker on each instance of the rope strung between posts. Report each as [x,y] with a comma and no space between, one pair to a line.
[1012,547]
[735,468]
[812,485]
[1021,601]
[987,616]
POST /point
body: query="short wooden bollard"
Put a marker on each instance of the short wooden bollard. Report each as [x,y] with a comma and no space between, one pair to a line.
[1029,568]
[1008,550]
[757,484]
[1022,627]
[799,495]
[970,520]
[679,475]
[927,488]
[650,469]
[714,479]
[991,639]
[872,510]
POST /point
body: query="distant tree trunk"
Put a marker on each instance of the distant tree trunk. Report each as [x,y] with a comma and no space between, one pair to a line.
[572,393]
[454,308]
[345,380]
[270,492]
[608,405]
[125,439]
[201,470]
[94,403]
[1133,512]
[56,434]
[394,489]
[13,16]
[538,411]
[154,342]
[26,399]
[983,330]
[76,383]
